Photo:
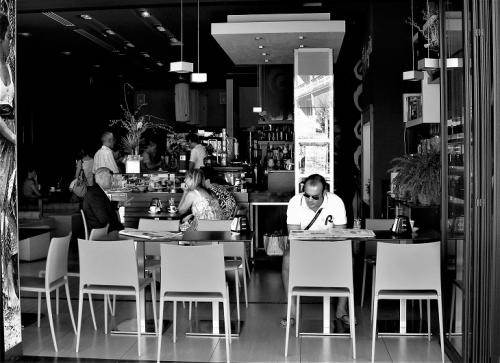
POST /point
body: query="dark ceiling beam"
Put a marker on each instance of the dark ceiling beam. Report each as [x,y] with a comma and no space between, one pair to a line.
[31,6]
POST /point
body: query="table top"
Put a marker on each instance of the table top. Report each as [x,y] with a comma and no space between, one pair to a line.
[28,232]
[202,236]
[147,215]
[388,236]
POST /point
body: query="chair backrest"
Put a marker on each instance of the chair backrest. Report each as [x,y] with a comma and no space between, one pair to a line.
[153,248]
[321,264]
[408,266]
[57,259]
[231,249]
[376,225]
[84,220]
[99,234]
[112,263]
[192,269]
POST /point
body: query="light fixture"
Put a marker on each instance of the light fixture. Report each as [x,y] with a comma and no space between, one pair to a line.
[266,60]
[258,38]
[301,46]
[66,52]
[160,28]
[145,14]
[264,53]
[159,64]
[312,4]
[181,66]
[412,75]
[301,37]
[109,32]
[96,65]
[261,47]
[25,34]
[86,17]
[258,109]
[130,45]
[145,55]
[198,77]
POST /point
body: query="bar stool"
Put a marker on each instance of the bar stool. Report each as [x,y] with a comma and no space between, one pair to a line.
[399,275]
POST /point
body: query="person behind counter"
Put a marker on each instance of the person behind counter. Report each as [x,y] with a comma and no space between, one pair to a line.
[199,200]
[31,188]
[104,157]
[97,207]
[314,209]
[198,152]
[151,158]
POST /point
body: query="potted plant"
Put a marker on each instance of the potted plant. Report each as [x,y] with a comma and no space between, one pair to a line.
[419,177]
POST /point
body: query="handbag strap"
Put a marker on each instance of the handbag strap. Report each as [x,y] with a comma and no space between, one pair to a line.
[81,175]
[314,219]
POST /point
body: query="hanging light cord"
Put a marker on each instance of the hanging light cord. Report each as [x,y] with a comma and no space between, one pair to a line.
[428,32]
[412,45]
[182,33]
[198,36]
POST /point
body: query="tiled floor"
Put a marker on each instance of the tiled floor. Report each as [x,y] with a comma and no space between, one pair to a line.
[262,338]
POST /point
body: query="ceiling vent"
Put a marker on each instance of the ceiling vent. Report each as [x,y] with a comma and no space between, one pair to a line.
[58,18]
[95,39]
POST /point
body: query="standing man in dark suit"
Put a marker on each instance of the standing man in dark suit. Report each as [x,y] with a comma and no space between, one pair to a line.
[97,206]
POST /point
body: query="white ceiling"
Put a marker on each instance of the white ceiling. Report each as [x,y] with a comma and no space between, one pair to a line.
[280,34]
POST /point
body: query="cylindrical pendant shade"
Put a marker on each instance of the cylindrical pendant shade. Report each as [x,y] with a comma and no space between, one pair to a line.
[182,102]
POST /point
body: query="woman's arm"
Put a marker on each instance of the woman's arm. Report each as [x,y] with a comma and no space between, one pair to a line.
[186,202]
[79,165]
[6,132]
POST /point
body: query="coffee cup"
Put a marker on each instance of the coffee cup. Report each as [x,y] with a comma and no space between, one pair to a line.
[153,209]
[172,209]
[52,189]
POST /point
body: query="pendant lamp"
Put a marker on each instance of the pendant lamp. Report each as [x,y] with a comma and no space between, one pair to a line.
[198,77]
[181,66]
[412,75]
[258,109]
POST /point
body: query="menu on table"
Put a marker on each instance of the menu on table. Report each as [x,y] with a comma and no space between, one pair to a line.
[331,233]
[150,234]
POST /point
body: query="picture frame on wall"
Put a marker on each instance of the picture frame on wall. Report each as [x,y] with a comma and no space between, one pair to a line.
[412,107]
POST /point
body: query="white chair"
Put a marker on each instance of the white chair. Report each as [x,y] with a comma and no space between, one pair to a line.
[99,234]
[231,249]
[99,276]
[320,269]
[84,221]
[196,274]
[409,271]
[56,275]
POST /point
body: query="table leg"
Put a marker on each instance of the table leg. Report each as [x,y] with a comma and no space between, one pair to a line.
[256,217]
[215,318]
[252,245]
[326,315]
[402,316]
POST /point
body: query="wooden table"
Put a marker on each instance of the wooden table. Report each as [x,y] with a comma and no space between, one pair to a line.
[214,326]
[380,236]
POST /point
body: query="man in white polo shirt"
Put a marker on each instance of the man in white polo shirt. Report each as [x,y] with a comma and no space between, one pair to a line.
[314,209]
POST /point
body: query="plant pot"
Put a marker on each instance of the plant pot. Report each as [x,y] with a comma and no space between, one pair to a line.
[424,199]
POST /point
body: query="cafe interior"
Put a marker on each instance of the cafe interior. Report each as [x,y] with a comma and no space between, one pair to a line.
[368,94]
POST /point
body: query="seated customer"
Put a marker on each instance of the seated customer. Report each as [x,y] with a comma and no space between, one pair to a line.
[198,199]
[314,209]
[226,199]
[97,206]
[31,187]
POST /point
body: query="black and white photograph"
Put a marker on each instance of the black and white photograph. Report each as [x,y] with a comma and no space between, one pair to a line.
[250,181]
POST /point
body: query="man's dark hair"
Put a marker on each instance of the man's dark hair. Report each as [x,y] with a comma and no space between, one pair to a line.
[192,138]
[315,179]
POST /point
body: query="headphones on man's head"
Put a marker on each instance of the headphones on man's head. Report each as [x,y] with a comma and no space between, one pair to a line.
[321,179]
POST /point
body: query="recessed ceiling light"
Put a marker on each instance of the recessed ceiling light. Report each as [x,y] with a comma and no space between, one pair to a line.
[159,64]
[110,32]
[66,52]
[97,65]
[160,28]
[258,38]
[86,17]
[119,75]
[266,60]
[261,47]
[301,46]
[146,55]
[301,37]
[145,14]
[264,53]
[312,4]
[25,34]
[130,45]
[121,53]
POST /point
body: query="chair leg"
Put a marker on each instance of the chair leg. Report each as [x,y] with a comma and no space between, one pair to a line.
[363,283]
[92,311]
[138,309]
[106,301]
[57,301]
[429,320]
[420,309]
[352,322]
[153,301]
[288,312]
[227,324]
[70,307]
[49,311]
[247,267]
[228,314]
[114,305]
[374,324]
[160,328]
[39,307]
[441,335]
[79,328]
[174,323]
[373,290]
[297,316]
[190,309]
[237,285]
[452,313]
[245,286]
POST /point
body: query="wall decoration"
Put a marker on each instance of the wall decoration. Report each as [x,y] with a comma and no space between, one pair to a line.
[11,305]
